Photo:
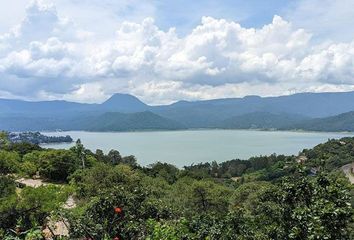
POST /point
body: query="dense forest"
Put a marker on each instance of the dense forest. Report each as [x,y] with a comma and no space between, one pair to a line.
[113,197]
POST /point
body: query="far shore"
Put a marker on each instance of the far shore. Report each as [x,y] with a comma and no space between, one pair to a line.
[200,129]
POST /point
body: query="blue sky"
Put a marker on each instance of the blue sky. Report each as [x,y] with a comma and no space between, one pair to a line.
[185,15]
[164,51]
[182,14]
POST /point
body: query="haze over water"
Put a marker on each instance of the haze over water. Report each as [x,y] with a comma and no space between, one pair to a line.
[194,146]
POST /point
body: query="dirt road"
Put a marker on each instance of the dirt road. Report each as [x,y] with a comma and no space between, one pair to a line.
[347,171]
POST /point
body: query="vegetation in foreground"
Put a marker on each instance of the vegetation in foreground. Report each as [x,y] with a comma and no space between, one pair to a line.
[266,197]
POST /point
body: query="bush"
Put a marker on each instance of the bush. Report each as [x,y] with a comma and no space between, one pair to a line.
[57,165]
[119,211]
[29,168]
[32,206]
[9,162]
[7,186]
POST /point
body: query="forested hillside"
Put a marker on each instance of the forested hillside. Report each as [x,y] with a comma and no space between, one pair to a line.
[261,120]
[338,123]
[306,111]
[113,197]
[128,122]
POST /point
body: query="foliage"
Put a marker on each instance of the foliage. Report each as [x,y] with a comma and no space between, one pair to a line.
[31,206]
[169,230]
[7,186]
[9,162]
[23,148]
[4,140]
[55,165]
[89,182]
[265,197]
[315,208]
[268,168]
[100,217]
[331,155]
[163,170]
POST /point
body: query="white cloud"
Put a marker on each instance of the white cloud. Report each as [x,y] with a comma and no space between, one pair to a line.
[88,93]
[48,56]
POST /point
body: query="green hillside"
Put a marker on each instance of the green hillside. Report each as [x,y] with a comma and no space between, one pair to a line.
[114,121]
[338,123]
[260,120]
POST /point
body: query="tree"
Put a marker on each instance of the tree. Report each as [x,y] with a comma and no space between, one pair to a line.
[248,195]
[120,211]
[7,186]
[22,148]
[114,157]
[31,206]
[89,182]
[215,169]
[79,150]
[302,207]
[29,168]
[168,230]
[9,162]
[190,197]
[316,208]
[164,170]
[100,156]
[8,200]
[57,165]
[4,140]
[130,160]
[208,196]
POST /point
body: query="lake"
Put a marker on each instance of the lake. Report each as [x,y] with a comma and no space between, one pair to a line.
[194,146]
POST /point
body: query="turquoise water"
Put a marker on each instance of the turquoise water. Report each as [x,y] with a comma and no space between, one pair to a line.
[186,147]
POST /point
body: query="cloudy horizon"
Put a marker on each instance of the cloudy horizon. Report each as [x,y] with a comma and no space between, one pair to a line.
[85,51]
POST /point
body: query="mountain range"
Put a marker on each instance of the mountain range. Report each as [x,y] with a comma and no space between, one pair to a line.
[124,112]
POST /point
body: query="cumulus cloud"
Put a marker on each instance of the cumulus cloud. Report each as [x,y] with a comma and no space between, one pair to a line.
[48,56]
[42,53]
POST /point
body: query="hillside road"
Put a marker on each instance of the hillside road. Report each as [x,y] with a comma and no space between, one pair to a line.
[346,170]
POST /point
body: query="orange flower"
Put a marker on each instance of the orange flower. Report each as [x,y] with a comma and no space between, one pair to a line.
[117,210]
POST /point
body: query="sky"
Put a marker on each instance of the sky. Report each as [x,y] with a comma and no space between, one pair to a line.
[165,51]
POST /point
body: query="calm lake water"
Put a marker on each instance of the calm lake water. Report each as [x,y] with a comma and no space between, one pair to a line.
[186,147]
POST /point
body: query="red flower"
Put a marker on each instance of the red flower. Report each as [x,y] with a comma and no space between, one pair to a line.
[116,238]
[118,210]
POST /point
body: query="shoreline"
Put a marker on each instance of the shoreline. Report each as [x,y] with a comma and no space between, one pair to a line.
[199,129]
[185,147]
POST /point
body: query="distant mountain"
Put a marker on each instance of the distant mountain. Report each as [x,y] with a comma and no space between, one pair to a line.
[208,113]
[254,111]
[261,120]
[265,120]
[23,123]
[247,112]
[44,108]
[117,103]
[338,123]
[114,121]
[123,103]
